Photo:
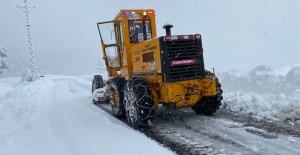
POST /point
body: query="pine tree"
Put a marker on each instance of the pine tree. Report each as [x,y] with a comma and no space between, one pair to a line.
[3,55]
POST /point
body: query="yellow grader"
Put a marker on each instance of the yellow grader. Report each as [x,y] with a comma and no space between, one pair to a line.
[145,71]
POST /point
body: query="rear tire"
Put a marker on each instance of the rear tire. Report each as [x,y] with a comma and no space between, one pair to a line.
[116,96]
[138,101]
[97,83]
[209,105]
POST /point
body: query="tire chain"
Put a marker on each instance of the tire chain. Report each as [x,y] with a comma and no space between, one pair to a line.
[209,105]
[131,99]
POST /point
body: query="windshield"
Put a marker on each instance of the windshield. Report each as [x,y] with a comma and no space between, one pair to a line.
[136,30]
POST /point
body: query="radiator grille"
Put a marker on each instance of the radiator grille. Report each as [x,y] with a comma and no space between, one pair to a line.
[184,49]
[177,50]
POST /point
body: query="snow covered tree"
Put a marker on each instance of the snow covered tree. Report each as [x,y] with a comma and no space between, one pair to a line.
[3,55]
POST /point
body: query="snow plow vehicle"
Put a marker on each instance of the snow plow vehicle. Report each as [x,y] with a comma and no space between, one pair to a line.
[146,71]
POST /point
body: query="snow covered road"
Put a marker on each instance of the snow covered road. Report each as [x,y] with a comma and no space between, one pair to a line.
[225,133]
[57,117]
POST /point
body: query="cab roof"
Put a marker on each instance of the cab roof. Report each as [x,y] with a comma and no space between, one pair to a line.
[135,11]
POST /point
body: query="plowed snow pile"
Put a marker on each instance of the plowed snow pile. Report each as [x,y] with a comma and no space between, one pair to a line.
[18,108]
[264,92]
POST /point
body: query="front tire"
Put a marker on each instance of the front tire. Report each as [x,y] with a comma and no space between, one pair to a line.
[97,83]
[138,100]
[116,96]
[209,105]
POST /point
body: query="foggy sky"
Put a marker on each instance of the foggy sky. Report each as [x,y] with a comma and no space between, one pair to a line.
[236,34]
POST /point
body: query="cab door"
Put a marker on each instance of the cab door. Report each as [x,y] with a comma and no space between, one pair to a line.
[111,45]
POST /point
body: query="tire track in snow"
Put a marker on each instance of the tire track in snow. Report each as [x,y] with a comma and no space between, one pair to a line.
[76,87]
[187,133]
[67,135]
[224,135]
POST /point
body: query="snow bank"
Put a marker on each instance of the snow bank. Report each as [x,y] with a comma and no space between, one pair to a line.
[263,92]
[18,108]
[4,89]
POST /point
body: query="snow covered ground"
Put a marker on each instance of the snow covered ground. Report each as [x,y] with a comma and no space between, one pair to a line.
[55,115]
[264,92]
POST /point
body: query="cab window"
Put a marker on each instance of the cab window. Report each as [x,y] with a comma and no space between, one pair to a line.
[136,30]
[113,57]
[108,33]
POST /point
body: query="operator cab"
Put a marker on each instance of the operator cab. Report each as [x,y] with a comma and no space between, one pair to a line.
[126,30]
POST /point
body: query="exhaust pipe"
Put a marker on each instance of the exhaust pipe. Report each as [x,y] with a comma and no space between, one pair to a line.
[168,29]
